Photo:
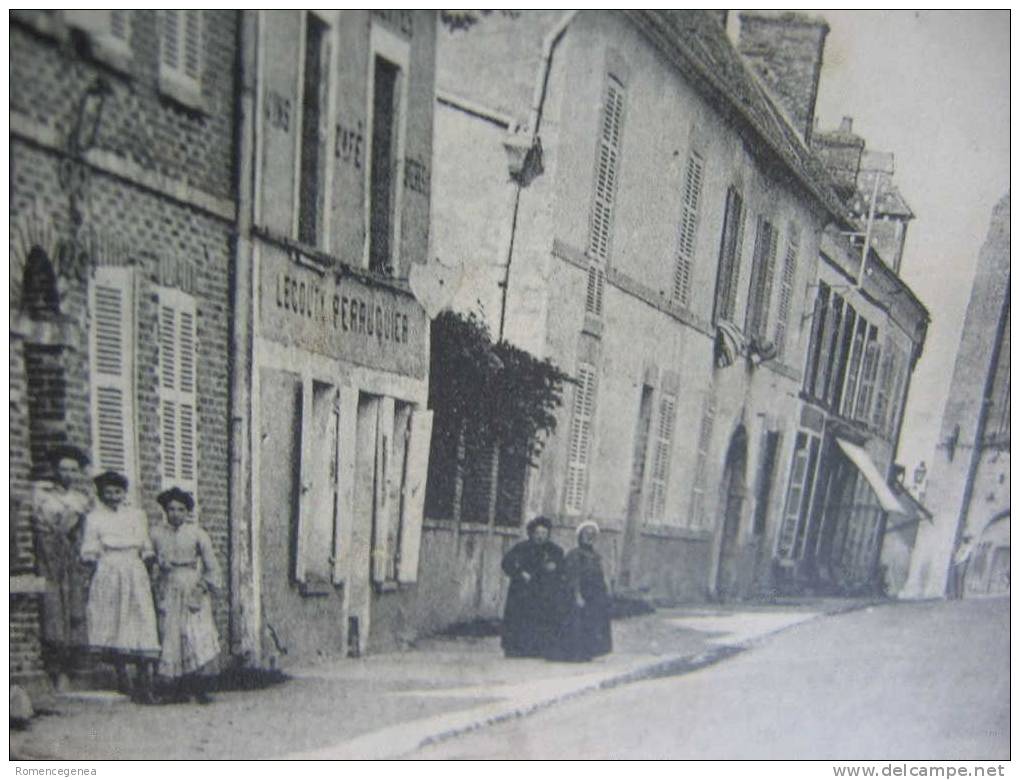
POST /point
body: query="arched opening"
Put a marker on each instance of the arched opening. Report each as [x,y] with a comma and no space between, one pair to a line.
[733,493]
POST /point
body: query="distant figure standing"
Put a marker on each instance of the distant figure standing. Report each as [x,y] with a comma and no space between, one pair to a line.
[58,510]
[958,574]
[189,574]
[121,616]
[535,569]
[586,632]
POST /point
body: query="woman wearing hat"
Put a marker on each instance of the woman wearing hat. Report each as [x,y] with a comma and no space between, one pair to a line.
[586,632]
[121,617]
[188,575]
[535,569]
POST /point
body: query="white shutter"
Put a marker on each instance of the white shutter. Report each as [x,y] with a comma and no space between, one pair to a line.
[112,362]
[579,442]
[596,289]
[605,173]
[413,490]
[383,542]
[786,291]
[660,462]
[688,229]
[178,407]
[181,45]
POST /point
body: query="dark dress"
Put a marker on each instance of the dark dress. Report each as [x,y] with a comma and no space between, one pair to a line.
[585,630]
[532,615]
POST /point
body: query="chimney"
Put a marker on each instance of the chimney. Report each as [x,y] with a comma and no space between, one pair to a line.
[785,50]
[840,151]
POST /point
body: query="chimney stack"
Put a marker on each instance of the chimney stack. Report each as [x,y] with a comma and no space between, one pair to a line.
[840,151]
[785,50]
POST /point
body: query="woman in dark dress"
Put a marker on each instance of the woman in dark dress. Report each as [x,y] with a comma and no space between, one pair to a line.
[535,569]
[586,633]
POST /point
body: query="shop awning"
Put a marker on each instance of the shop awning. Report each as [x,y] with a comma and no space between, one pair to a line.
[870,472]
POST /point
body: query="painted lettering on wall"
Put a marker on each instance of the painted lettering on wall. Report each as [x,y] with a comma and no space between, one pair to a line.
[345,313]
[278,111]
[349,142]
[402,20]
[416,176]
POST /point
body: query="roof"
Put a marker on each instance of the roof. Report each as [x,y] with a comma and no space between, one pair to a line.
[697,43]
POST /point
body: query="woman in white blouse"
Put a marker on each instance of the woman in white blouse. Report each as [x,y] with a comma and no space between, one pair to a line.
[120,612]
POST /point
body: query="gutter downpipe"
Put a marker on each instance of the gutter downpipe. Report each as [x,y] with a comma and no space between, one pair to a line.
[552,40]
[242,628]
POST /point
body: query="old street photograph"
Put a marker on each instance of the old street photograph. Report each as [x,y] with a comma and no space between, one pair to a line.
[509,385]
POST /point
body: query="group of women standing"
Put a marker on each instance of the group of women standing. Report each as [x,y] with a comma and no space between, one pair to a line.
[557,606]
[149,599]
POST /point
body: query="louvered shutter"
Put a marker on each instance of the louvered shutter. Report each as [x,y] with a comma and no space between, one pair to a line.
[761,278]
[383,521]
[660,462]
[729,257]
[181,45]
[688,230]
[112,364]
[413,504]
[786,291]
[579,441]
[596,290]
[698,519]
[178,392]
[606,171]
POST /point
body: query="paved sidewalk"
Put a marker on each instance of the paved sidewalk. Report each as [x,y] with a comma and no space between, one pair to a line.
[388,705]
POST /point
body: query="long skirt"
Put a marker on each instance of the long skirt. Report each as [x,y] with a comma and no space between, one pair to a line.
[63,602]
[121,616]
[186,623]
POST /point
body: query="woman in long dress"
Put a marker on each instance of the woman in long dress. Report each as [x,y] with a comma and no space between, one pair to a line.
[188,575]
[535,569]
[586,631]
[120,613]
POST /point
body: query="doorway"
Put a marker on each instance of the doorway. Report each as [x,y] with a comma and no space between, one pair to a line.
[733,493]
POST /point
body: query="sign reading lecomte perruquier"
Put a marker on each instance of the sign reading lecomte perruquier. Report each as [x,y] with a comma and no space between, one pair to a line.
[344,318]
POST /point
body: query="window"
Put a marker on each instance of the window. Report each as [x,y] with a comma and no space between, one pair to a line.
[818,318]
[854,368]
[579,441]
[698,517]
[869,371]
[109,33]
[831,342]
[603,198]
[688,229]
[178,407]
[841,355]
[314,131]
[111,368]
[761,279]
[896,399]
[385,131]
[729,257]
[786,289]
[661,457]
[180,61]
[790,543]
[883,387]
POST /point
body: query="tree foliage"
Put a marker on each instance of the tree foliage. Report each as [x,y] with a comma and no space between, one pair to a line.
[497,391]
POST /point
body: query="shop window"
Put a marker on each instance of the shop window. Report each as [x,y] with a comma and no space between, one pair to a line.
[112,370]
[688,230]
[729,257]
[314,131]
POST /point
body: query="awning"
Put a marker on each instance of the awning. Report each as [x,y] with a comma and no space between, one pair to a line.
[870,472]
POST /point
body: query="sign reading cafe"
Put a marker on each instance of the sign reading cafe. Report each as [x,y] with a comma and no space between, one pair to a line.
[341,317]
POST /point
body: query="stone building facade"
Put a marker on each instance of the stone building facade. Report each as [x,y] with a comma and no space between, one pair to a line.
[968,481]
[122,209]
[333,348]
[638,209]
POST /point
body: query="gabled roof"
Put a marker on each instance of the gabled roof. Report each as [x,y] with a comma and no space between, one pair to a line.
[698,44]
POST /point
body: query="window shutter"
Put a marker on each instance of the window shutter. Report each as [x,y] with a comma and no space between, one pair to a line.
[181,44]
[171,47]
[868,374]
[596,290]
[413,504]
[382,523]
[119,24]
[178,407]
[883,389]
[660,463]
[786,290]
[112,361]
[579,442]
[606,171]
[729,257]
[698,519]
[688,229]
[192,44]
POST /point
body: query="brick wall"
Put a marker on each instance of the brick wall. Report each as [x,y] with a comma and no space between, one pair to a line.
[148,132]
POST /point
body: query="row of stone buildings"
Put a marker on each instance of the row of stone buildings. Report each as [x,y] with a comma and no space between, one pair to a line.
[215,220]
